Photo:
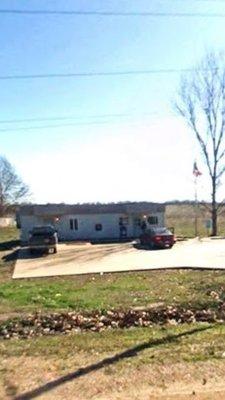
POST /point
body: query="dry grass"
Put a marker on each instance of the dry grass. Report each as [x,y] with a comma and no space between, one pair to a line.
[182,218]
[163,362]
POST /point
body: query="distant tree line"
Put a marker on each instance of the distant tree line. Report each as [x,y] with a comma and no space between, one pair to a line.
[13,191]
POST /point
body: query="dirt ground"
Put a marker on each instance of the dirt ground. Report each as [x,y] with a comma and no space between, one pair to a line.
[202,381]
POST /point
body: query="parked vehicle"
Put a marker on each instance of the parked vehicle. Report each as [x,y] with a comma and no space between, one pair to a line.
[43,239]
[158,238]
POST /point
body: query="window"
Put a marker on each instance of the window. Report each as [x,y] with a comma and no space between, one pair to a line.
[137,222]
[153,220]
[73,224]
[123,221]
[98,227]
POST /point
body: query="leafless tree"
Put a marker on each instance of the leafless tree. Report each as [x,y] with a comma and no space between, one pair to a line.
[12,189]
[201,102]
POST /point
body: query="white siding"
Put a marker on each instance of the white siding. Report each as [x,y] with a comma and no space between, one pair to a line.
[160,216]
[27,222]
[137,229]
[86,226]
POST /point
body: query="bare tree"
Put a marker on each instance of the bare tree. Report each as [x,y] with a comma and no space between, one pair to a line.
[201,102]
[12,189]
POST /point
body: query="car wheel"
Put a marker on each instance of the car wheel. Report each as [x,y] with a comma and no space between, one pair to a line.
[55,250]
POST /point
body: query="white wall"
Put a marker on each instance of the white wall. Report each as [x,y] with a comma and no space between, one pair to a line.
[137,229]
[86,226]
[27,222]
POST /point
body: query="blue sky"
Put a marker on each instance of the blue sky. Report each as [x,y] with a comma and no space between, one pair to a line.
[146,154]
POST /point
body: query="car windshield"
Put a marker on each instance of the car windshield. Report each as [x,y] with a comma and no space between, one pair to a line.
[43,230]
[159,231]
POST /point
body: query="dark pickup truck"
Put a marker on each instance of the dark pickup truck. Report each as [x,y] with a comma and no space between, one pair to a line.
[43,239]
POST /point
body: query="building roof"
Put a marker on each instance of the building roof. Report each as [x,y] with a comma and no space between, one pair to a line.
[88,208]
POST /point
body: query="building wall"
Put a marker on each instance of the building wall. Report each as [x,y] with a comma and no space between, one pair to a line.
[27,222]
[137,229]
[86,226]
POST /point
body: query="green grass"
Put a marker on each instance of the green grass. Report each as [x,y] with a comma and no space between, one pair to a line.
[9,240]
[125,290]
[158,344]
[119,290]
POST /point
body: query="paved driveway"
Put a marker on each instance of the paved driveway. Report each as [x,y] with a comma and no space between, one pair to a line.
[73,259]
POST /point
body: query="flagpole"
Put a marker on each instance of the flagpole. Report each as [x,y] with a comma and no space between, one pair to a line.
[196,173]
[196,207]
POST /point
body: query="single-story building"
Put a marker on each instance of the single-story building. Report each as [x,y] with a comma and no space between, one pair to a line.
[92,221]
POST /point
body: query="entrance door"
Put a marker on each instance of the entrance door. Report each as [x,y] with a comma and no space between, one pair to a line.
[136,226]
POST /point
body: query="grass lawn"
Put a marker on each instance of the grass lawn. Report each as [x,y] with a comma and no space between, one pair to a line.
[155,347]
[124,290]
[100,292]
[159,343]
[122,361]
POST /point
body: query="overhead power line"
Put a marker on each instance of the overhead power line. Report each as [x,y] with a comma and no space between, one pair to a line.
[37,128]
[95,74]
[108,119]
[72,117]
[31,128]
[113,13]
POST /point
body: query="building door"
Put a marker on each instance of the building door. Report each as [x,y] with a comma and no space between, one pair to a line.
[137,226]
[73,226]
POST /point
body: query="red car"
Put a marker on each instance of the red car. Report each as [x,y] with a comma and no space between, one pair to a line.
[161,238]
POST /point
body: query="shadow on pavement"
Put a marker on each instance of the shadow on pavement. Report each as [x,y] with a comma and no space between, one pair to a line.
[132,352]
[111,241]
[11,256]
[9,245]
[24,254]
[139,246]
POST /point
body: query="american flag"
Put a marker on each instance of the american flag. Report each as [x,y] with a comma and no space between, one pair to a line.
[196,171]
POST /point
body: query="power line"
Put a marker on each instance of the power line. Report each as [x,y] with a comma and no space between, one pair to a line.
[95,74]
[29,128]
[113,13]
[71,117]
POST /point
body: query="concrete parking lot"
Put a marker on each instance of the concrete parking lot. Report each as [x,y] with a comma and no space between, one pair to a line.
[73,259]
